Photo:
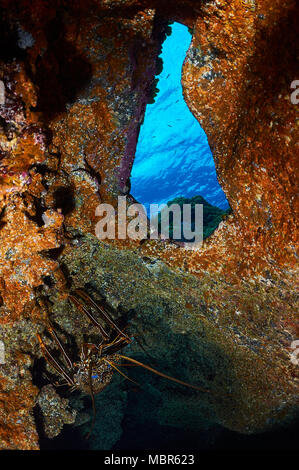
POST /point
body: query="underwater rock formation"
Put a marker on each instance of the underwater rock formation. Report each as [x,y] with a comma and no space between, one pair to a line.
[76,80]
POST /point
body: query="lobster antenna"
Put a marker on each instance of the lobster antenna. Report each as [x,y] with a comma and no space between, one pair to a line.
[92,400]
[163,375]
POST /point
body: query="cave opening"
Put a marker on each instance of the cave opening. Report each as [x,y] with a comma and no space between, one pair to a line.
[173,161]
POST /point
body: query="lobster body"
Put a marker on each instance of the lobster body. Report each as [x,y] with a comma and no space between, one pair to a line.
[95,370]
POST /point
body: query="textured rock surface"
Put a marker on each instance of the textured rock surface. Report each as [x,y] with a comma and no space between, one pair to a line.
[77,80]
[54,411]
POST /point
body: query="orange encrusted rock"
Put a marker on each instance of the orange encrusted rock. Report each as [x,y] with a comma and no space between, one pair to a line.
[77,77]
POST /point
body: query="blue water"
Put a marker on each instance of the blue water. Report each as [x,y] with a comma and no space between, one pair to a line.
[173,157]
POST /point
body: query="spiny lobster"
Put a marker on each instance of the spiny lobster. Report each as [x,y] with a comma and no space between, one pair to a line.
[97,362]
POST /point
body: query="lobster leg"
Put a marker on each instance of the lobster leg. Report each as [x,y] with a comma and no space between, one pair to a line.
[54,363]
[85,297]
[104,349]
[57,341]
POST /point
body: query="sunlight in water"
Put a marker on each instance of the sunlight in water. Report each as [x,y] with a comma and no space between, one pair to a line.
[173,157]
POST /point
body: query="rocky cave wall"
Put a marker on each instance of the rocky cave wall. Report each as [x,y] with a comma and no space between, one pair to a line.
[77,80]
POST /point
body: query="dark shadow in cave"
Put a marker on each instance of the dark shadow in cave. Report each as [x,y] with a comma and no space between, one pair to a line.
[64,199]
[166,438]
[61,72]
